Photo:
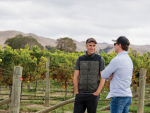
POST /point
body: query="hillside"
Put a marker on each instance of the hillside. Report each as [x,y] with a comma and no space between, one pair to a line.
[4,35]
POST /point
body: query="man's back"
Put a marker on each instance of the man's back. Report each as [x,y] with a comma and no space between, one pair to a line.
[121,67]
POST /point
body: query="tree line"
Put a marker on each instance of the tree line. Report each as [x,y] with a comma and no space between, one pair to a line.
[19,41]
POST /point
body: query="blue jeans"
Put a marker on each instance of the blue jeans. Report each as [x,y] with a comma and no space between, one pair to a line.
[120,104]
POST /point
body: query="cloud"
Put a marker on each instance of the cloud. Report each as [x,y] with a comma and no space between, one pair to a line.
[80,19]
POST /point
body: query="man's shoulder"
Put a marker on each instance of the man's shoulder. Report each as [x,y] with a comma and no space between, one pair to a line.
[99,56]
[116,60]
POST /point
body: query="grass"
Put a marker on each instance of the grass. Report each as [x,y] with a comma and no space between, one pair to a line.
[33,102]
[57,97]
[4,107]
[133,109]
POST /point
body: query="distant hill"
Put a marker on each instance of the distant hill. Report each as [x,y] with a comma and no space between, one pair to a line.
[4,35]
[106,50]
[104,43]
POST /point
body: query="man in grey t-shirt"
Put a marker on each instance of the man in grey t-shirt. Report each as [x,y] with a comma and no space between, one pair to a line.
[87,82]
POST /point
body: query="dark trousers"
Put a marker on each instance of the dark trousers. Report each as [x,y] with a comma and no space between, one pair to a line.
[83,101]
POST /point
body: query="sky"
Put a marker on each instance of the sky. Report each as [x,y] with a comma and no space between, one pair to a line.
[103,20]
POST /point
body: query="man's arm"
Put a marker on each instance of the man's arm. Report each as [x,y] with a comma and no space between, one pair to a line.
[76,76]
[102,81]
[110,69]
[76,80]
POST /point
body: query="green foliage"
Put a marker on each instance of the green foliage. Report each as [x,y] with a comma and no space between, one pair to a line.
[66,44]
[50,49]
[20,41]
[140,62]
[33,63]
[61,64]
[107,57]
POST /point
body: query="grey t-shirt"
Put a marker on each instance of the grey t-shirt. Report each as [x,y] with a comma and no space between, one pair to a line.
[101,64]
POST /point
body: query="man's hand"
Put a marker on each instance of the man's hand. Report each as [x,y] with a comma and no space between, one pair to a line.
[102,81]
[110,77]
[76,92]
[96,93]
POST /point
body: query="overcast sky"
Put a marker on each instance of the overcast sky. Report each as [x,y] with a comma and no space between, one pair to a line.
[103,20]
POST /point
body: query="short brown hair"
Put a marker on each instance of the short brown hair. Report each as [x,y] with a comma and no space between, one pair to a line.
[125,47]
[91,40]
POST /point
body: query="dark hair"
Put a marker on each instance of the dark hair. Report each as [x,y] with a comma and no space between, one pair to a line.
[91,40]
[125,47]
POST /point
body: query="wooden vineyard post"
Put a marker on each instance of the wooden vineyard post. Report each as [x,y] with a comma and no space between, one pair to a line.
[149,56]
[47,89]
[16,89]
[134,53]
[147,104]
[141,95]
